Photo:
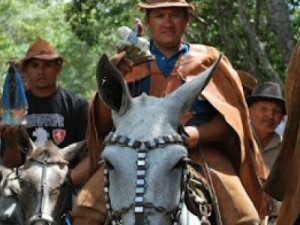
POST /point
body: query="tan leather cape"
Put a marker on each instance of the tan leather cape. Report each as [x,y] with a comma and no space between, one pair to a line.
[224,92]
[284,180]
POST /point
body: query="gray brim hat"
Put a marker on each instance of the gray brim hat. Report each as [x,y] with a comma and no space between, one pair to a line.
[269,91]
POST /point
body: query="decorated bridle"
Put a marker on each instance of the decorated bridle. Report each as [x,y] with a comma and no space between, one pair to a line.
[139,205]
[40,215]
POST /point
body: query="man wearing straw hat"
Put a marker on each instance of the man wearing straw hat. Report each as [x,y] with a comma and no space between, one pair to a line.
[219,117]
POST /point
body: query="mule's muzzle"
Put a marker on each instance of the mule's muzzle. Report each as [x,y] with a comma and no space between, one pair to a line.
[41,223]
[41,220]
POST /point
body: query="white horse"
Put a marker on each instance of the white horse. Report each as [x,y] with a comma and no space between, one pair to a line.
[145,156]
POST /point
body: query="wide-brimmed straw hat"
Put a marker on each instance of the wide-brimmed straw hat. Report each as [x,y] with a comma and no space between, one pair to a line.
[151,4]
[41,49]
[269,91]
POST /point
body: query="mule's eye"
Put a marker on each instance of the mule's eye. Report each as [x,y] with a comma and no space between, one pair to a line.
[21,182]
[54,192]
[108,165]
[179,164]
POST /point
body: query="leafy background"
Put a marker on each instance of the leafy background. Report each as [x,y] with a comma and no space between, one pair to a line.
[82,30]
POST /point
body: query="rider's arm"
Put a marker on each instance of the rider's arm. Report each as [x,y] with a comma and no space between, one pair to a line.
[213,130]
[80,173]
[206,124]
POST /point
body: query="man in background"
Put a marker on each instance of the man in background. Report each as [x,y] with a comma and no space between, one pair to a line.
[54,113]
[266,109]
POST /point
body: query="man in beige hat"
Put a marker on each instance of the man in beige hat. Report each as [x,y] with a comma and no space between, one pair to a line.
[54,113]
[218,118]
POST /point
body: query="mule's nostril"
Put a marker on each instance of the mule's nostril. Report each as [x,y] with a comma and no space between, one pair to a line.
[146,221]
[41,222]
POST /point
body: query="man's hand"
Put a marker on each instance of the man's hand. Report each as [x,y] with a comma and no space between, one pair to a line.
[135,54]
[8,132]
[122,62]
[127,57]
[193,134]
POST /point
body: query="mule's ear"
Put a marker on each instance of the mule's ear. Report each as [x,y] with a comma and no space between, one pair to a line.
[8,187]
[73,150]
[112,87]
[25,141]
[3,174]
[187,93]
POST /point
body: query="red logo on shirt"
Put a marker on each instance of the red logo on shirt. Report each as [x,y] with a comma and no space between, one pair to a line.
[58,135]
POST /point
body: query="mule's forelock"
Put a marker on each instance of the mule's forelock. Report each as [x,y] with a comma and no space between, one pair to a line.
[47,152]
[112,87]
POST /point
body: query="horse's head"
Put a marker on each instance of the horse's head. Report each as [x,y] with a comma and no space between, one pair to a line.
[45,185]
[145,157]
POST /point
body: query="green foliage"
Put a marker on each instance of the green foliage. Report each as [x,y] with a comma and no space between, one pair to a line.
[82,30]
[215,24]
[218,25]
[46,19]
[96,22]
[295,17]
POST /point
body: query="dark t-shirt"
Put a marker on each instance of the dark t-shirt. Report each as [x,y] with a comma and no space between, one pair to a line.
[61,118]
